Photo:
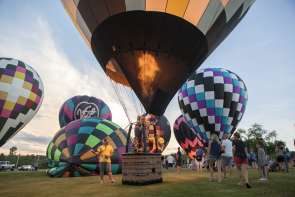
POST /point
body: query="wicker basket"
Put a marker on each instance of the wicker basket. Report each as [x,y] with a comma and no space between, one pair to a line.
[141,169]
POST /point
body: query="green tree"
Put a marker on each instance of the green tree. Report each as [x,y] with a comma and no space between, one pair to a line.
[12,150]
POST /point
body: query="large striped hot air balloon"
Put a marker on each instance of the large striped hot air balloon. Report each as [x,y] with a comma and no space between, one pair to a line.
[152,46]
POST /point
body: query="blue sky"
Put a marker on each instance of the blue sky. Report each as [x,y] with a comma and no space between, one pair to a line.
[260,50]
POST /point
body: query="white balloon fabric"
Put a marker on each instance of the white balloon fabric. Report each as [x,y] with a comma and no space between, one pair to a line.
[21,94]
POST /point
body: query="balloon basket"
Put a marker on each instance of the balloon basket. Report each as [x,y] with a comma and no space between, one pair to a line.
[141,168]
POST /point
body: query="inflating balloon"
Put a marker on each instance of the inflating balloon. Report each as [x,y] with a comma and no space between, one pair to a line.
[163,130]
[188,140]
[152,46]
[21,94]
[71,152]
[79,107]
[213,100]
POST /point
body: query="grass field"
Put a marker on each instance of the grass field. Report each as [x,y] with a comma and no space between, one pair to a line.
[187,183]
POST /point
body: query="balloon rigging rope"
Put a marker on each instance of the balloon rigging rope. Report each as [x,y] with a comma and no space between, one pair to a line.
[119,99]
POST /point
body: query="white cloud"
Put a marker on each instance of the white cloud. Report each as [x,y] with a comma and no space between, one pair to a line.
[60,77]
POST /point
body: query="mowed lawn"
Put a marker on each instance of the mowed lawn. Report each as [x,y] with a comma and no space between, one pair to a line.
[187,183]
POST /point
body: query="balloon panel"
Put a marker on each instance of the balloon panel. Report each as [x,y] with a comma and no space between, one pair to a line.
[70,153]
[79,107]
[213,100]
[162,128]
[188,140]
[21,94]
[152,45]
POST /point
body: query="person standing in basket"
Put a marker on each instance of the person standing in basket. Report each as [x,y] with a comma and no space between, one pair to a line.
[105,152]
[140,135]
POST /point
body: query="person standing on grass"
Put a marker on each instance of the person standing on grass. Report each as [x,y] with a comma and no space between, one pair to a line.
[262,161]
[105,152]
[241,160]
[170,160]
[214,156]
[286,159]
[200,159]
[252,159]
[227,154]
[178,160]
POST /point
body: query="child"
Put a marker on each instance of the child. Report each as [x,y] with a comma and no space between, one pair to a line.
[262,161]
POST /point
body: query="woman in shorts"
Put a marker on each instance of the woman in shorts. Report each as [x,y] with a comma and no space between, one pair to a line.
[241,159]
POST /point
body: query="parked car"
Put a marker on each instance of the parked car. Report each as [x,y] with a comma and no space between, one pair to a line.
[26,168]
[6,165]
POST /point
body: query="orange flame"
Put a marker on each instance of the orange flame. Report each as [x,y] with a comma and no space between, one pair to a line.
[148,70]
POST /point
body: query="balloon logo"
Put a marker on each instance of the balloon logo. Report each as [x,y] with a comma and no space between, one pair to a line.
[213,100]
[86,110]
[21,94]
[71,151]
[79,107]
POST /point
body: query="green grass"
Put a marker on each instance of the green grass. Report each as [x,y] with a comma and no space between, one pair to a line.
[187,183]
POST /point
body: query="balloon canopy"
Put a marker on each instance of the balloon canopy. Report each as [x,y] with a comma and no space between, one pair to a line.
[70,153]
[213,100]
[188,140]
[162,128]
[21,94]
[79,107]
[154,45]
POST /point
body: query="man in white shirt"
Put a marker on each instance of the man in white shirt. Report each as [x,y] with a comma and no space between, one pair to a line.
[227,154]
[170,160]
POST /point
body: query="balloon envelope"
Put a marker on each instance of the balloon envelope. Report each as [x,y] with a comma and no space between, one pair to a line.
[213,100]
[153,45]
[188,140]
[21,94]
[70,153]
[79,107]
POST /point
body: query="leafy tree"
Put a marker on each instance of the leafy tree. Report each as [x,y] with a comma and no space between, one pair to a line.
[257,132]
[12,150]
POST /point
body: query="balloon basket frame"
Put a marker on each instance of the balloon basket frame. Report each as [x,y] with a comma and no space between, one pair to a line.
[141,168]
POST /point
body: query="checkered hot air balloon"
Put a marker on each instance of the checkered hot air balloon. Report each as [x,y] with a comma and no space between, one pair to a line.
[21,94]
[70,153]
[186,137]
[213,100]
[79,107]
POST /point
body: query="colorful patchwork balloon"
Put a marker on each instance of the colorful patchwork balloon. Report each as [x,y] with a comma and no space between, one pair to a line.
[70,153]
[213,100]
[188,140]
[21,94]
[79,107]
[163,129]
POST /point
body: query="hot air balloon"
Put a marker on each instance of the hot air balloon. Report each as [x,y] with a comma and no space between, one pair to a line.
[163,130]
[152,46]
[79,107]
[70,153]
[188,140]
[213,100]
[21,94]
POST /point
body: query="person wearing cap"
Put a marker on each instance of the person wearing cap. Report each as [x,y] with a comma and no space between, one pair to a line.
[105,152]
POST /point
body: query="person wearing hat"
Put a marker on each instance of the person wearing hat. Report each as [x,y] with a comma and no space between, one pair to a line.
[105,152]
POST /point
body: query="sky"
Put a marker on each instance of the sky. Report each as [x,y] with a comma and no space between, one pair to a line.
[261,50]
